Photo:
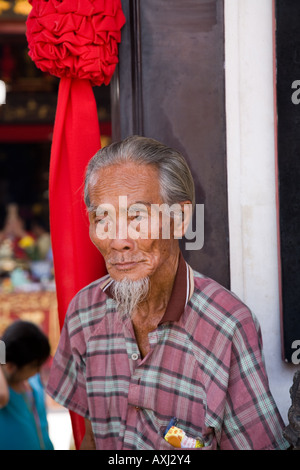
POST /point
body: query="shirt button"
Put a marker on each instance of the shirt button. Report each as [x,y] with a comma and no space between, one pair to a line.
[134,356]
[137,408]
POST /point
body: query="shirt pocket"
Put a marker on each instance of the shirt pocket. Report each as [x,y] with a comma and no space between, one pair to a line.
[156,429]
[208,438]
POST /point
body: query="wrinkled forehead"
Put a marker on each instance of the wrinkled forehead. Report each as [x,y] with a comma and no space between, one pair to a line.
[138,182]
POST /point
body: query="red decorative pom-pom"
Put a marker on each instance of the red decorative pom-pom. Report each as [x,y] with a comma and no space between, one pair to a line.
[75,38]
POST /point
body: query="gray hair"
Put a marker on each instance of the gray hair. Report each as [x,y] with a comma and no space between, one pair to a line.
[176,181]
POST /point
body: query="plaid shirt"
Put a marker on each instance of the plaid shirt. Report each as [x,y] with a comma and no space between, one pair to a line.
[204,367]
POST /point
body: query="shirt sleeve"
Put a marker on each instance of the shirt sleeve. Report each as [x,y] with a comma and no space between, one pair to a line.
[251,419]
[67,384]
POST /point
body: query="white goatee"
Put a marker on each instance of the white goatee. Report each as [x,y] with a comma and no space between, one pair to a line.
[129,294]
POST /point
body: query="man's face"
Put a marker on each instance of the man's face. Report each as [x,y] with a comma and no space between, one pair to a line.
[125,254]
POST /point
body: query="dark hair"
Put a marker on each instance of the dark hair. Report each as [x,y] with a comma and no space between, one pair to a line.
[25,343]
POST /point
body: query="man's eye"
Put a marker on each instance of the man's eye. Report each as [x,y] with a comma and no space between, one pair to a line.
[138,217]
[100,221]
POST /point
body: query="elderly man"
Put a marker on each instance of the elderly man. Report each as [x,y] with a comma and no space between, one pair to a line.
[153,339]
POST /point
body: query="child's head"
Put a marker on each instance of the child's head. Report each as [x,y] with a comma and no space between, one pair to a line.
[26,348]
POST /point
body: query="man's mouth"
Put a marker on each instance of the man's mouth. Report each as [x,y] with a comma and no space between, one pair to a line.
[125,265]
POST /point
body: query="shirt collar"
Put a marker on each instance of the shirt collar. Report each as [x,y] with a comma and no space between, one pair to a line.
[182,291]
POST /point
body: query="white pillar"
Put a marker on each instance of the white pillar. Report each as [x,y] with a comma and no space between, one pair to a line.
[252,179]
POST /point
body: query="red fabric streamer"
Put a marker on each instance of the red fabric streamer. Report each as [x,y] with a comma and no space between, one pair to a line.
[76,40]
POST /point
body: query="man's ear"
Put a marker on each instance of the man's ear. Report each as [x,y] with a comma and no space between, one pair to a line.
[182,219]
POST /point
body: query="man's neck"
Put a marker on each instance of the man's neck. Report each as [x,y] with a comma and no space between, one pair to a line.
[150,312]
[160,291]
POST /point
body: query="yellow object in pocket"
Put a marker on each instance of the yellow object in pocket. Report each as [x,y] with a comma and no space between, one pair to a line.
[177,438]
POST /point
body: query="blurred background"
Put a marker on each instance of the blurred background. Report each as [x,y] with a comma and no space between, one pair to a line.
[27,113]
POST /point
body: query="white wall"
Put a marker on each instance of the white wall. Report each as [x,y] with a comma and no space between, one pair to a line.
[251,177]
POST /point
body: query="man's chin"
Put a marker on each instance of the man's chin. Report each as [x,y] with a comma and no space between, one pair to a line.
[119,276]
[128,293]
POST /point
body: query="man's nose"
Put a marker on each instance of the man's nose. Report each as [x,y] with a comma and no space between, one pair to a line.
[121,244]
[121,241]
